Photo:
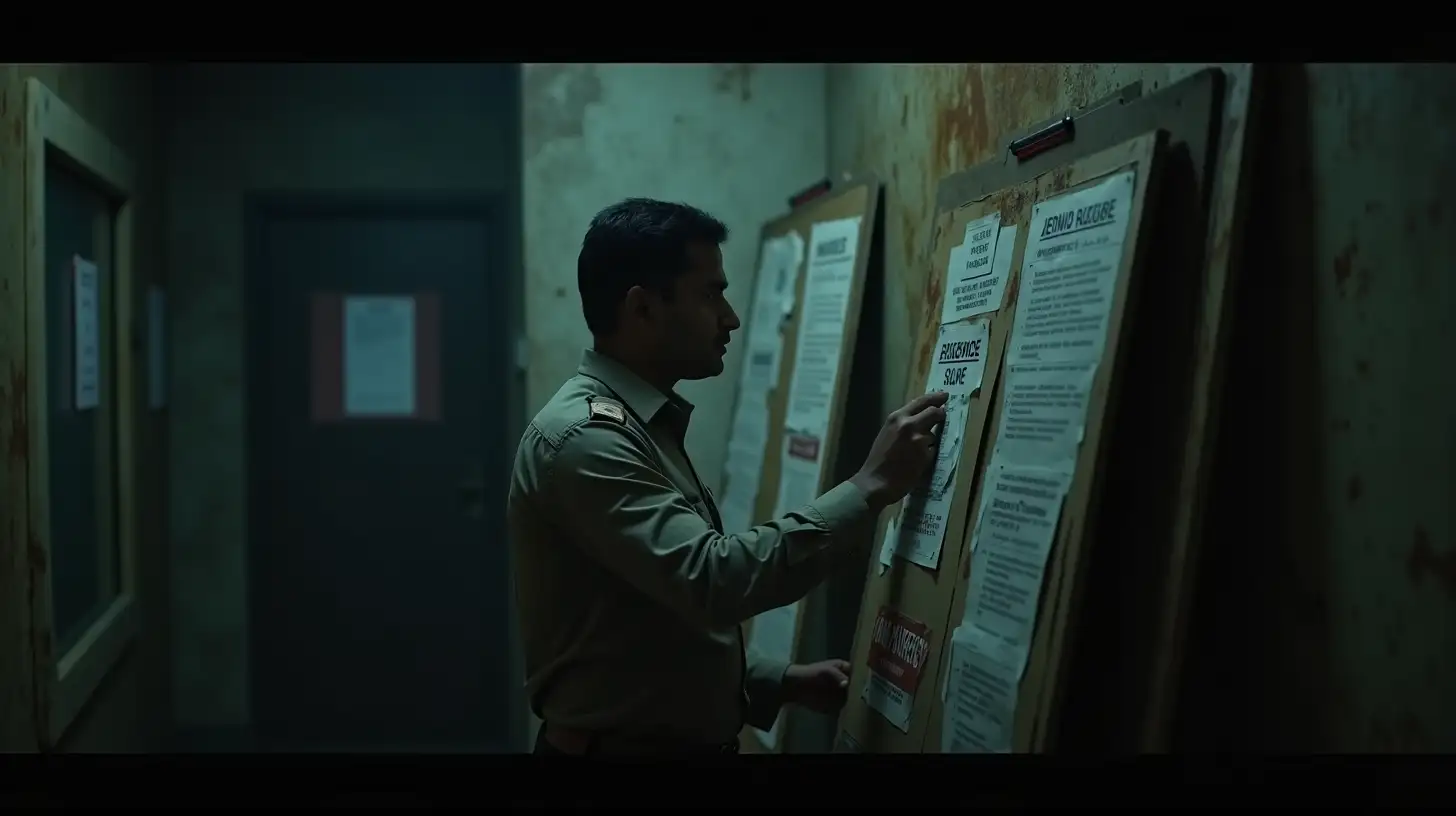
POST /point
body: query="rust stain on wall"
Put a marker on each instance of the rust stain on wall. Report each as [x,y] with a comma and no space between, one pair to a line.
[1059,179]
[554,100]
[961,127]
[1025,93]
[911,249]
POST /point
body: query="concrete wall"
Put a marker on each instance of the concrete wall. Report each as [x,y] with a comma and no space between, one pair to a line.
[128,711]
[235,128]
[735,140]
[1332,630]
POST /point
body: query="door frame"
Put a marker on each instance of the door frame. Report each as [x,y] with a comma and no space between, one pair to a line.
[261,205]
[62,684]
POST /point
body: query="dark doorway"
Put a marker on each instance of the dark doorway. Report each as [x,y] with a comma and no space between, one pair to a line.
[378,569]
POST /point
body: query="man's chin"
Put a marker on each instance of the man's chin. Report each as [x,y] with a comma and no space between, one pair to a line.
[709,368]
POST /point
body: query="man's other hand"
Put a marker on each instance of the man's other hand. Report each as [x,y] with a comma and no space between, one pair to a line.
[821,687]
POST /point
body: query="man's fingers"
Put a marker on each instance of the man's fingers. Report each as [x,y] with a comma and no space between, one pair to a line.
[839,670]
[928,418]
[924,401]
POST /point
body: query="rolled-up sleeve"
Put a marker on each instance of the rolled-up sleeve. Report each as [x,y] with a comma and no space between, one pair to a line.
[620,506]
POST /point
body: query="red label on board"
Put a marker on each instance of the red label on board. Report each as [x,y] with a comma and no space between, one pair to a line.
[899,647]
[804,447]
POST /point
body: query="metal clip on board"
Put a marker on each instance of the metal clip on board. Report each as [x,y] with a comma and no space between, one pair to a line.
[808,194]
[1057,133]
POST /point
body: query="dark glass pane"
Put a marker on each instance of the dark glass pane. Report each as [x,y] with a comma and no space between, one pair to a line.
[83,572]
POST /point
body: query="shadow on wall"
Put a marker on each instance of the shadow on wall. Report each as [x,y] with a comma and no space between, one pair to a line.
[1260,621]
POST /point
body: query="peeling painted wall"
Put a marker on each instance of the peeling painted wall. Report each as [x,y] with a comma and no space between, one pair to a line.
[736,140]
[129,710]
[1346,589]
[236,128]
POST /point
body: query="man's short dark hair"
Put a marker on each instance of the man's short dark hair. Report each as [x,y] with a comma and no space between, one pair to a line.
[637,242]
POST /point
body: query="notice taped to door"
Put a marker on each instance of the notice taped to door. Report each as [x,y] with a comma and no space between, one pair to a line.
[86,322]
[899,647]
[379,356]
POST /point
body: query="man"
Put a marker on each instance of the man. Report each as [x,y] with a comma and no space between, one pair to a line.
[630,593]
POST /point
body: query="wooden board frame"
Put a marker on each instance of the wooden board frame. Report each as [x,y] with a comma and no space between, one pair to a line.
[919,593]
[66,682]
[1210,118]
[1044,666]
[858,196]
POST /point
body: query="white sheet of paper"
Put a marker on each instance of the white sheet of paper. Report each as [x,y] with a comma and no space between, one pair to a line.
[770,738]
[748,433]
[970,275]
[1017,528]
[766,312]
[156,348]
[740,497]
[889,700]
[992,293]
[890,542]
[1070,274]
[980,697]
[960,362]
[379,356]
[1044,414]
[772,636]
[798,476]
[86,320]
[832,246]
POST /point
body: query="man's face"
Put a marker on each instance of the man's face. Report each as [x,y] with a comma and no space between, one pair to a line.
[698,319]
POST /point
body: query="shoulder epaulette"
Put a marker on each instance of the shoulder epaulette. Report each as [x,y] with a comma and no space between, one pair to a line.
[607,410]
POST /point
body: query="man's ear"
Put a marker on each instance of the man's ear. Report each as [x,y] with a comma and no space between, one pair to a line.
[639,303]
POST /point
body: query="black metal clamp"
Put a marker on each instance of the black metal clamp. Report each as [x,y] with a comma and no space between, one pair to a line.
[1057,133]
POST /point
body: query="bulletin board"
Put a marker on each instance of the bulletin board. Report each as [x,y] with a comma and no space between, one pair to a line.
[910,597]
[1124,656]
[857,198]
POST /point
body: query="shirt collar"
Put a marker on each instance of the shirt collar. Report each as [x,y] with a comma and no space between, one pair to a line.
[644,399]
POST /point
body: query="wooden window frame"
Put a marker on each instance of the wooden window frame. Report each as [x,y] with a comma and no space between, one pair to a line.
[65,683]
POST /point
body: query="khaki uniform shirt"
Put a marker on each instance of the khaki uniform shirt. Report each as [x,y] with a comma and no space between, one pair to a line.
[630,595]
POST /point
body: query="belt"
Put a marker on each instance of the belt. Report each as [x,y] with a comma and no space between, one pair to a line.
[576,742]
